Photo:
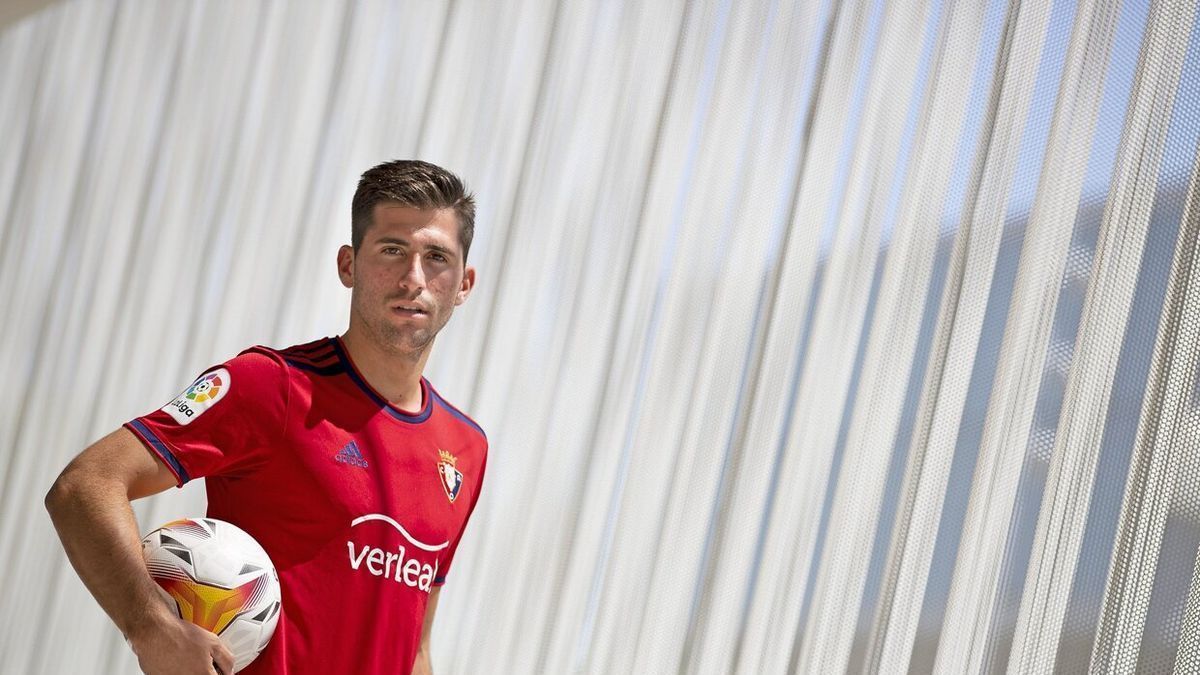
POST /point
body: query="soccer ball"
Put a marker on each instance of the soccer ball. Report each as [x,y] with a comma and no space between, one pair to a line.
[221,580]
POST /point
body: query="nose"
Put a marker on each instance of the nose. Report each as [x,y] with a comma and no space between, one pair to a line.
[414,275]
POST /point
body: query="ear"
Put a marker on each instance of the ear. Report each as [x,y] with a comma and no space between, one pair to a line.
[345,265]
[464,289]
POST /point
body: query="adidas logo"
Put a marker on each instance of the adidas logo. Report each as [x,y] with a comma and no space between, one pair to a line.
[350,454]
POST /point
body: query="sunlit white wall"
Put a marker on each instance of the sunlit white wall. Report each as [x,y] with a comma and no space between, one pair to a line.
[819,336]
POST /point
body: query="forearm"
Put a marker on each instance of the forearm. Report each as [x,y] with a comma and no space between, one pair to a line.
[89,505]
[100,535]
[423,666]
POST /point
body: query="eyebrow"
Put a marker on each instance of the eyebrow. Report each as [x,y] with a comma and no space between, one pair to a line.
[405,242]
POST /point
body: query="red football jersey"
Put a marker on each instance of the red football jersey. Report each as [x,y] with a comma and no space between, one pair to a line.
[360,505]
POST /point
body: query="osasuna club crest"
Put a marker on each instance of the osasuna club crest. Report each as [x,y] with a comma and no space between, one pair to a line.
[451,477]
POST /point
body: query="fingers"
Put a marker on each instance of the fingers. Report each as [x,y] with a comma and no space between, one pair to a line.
[222,659]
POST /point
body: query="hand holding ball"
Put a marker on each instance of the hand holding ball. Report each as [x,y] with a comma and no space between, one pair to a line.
[220,579]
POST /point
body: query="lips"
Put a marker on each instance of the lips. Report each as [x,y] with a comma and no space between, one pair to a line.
[410,310]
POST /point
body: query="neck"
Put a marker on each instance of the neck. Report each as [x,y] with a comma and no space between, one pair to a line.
[393,373]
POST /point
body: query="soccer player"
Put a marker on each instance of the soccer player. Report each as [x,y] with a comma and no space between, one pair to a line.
[348,467]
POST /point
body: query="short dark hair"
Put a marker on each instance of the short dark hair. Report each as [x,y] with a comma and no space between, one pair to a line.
[414,183]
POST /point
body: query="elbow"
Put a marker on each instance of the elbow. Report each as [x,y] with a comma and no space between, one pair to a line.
[57,496]
[62,495]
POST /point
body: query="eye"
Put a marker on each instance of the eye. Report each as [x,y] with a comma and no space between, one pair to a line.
[392,250]
[437,257]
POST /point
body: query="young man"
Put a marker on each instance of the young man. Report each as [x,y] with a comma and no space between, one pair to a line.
[337,456]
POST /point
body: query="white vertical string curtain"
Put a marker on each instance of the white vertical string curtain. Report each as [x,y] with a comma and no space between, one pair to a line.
[809,336]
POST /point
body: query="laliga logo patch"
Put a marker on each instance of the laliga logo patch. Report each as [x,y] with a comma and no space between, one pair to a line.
[207,388]
[451,477]
[201,396]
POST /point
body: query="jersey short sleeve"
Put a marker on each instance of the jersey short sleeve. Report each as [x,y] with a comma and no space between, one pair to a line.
[225,423]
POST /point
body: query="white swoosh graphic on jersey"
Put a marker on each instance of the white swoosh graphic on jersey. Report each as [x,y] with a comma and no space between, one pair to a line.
[419,544]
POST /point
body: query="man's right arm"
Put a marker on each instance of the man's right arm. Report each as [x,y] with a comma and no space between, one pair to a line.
[89,504]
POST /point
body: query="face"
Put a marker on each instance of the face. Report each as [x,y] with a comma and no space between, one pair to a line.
[406,277]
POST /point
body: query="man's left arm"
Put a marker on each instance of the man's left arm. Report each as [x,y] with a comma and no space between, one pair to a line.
[422,665]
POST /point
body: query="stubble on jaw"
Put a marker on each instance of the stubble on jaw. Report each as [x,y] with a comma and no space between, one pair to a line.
[396,342]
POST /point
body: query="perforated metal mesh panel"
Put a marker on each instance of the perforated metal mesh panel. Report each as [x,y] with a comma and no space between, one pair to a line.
[811,336]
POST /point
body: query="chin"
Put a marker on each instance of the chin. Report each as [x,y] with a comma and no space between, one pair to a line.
[411,342]
[395,338]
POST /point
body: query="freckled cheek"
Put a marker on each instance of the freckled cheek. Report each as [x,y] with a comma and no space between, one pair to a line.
[384,278]
[440,281]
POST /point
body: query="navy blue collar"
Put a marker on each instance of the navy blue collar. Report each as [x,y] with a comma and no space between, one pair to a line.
[403,416]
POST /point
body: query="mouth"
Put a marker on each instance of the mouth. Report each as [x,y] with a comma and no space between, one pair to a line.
[409,310]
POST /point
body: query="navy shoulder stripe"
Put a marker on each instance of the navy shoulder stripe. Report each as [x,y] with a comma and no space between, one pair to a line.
[314,352]
[333,369]
[317,357]
[318,354]
[321,361]
[322,345]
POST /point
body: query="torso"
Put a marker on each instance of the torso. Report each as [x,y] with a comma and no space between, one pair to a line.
[359,511]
